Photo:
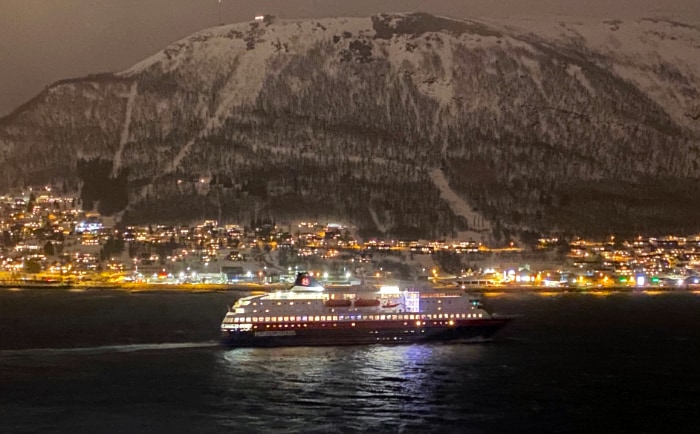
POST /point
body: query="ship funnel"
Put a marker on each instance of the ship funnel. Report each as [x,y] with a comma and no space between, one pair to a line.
[304,282]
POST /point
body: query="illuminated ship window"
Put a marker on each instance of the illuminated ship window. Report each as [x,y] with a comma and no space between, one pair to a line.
[480,315]
[317,318]
[323,318]
[291,303]
[304,318]
[286,318]
[383,317]
[439,301]
[267,310]
[279,303]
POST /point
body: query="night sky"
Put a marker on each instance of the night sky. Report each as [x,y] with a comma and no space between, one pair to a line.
[42,41]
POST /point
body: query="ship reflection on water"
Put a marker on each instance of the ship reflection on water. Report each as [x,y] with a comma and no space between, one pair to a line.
[369,387]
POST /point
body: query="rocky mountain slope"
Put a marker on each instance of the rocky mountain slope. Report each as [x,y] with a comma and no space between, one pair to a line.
[403,124]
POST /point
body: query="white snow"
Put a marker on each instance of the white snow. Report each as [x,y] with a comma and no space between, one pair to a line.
[461,207]
[535,72]
[576,72]
[117,162]
[637,49]
[375,218]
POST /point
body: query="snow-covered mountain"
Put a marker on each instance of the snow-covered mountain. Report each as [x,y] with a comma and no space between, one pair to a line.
[407,124]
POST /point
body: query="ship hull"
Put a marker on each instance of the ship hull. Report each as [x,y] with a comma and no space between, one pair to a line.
[363,334]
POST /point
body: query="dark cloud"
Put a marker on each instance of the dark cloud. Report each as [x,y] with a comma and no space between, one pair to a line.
[42,41]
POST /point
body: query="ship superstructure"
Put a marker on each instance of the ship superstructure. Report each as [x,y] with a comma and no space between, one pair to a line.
[307,314]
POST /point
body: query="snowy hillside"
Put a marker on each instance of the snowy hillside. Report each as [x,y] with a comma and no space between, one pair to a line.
[404,124]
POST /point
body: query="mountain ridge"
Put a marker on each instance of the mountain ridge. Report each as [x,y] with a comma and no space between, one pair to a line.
[363,110]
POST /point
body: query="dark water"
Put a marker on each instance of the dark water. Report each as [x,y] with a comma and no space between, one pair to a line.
[149,363]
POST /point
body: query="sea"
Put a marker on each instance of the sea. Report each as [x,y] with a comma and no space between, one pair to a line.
[110,361]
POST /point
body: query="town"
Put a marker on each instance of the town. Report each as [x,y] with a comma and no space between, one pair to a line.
[47,240]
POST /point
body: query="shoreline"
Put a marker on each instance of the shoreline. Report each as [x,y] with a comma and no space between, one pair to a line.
[252,287]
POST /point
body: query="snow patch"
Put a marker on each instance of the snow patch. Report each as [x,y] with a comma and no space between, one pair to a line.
[375,219]
[461,207]
[576,72]
[535,72]
[117,162]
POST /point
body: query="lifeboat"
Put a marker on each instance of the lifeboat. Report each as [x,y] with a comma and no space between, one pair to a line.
[390,305]
[362,302]
[338,303]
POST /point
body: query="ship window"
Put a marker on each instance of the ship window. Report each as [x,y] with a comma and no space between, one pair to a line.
[286,318]
[304,318]
[480,315]
[255,304]
[341,317]
[247,319]
[383,317]
[323,318]
[279,303]
[411,317]
[439,301]
[358,317]
[267,310]
[308,302]
[291,303]
[317,318]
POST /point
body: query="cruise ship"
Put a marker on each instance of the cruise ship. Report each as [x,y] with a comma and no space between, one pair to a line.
[309,315]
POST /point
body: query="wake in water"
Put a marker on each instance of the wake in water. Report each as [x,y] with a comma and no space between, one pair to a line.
[106,349]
